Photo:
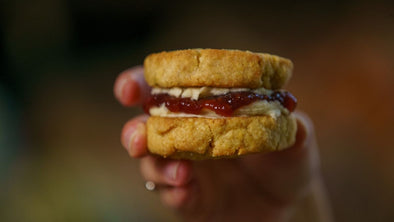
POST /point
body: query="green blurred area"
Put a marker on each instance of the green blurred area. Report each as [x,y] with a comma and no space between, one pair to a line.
[61,159]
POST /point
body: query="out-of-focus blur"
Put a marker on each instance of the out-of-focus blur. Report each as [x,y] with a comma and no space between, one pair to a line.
[60,152]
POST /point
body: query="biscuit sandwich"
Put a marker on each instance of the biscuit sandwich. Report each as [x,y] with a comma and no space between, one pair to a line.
[211,103]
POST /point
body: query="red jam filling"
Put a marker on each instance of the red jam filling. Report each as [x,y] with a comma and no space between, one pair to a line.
[223,105]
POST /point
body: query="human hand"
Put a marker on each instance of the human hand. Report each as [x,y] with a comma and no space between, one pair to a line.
[262,187]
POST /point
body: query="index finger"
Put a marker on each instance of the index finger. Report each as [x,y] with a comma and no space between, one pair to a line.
[130,87]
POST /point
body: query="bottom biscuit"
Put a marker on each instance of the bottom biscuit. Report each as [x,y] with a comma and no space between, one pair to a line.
[198,138]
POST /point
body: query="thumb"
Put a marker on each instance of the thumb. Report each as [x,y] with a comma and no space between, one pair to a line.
[285,174]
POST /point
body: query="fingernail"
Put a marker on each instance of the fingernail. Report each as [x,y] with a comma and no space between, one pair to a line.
[173,171]
[304,129]
[143,87]
[139,142]
[130,146]
[120,88]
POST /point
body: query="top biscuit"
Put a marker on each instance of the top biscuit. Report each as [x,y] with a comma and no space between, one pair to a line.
[216,68]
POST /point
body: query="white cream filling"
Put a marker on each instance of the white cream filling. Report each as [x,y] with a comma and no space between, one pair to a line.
[197,93]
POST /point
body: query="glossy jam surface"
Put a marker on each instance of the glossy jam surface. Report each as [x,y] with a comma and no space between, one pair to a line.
[223,105]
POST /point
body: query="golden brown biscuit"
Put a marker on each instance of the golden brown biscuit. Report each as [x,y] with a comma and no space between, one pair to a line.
[207,138]
[216,68]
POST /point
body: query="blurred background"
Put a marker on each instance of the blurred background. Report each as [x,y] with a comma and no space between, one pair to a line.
[60,152]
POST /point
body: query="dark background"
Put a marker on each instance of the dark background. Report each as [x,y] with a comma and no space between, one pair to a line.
[60,154]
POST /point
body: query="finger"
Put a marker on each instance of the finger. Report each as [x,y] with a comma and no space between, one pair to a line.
[166,172]
[309,141]
[304,152]
[130,87]
[176,197]
[133,136]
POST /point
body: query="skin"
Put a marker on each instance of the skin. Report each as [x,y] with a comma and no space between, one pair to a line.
[263,187]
